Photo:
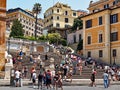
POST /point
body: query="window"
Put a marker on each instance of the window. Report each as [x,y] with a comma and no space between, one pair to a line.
[89,54]
[88,23]
[100,38]
[51,17]
[57,25]
[106,6]
[74,38]
[114,52]
[114,36]
[57,10]
[52,10]
[66,13]
[114,3]
[100,20]
[66,20]
[80,37]
[74,14]
[100,53]
[89,40]
[57,17]
[114,18]
[66,26]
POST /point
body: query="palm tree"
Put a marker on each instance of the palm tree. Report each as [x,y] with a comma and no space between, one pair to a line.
[36,10]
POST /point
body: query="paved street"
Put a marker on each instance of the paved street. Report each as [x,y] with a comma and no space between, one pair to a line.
[113,87]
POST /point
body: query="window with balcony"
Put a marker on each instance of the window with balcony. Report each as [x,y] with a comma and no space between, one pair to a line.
[114,18]
[89,39]
[114,36]
[100,38]
[100,20]
[100,53]
[89,23]
[66,20]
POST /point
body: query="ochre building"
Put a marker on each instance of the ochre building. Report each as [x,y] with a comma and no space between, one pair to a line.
[101,31]
[2,33]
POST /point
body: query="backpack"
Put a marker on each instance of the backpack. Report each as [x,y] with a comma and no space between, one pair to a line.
[48,76]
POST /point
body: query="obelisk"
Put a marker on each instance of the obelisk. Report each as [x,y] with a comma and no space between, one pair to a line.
[2,33]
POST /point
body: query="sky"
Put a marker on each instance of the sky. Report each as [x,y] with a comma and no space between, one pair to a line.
[28,4]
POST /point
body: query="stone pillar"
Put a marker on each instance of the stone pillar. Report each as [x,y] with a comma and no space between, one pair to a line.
[84,38]
[2,33]
[8,67]
[107,37]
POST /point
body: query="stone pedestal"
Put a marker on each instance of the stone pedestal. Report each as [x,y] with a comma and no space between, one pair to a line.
[8,68]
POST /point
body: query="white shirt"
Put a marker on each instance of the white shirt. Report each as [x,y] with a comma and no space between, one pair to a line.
[17,74]
[34,75]
[53,73]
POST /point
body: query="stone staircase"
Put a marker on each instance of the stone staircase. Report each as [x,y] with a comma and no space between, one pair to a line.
[86,73]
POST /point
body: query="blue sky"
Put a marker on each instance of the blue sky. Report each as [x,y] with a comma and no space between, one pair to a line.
[28,4]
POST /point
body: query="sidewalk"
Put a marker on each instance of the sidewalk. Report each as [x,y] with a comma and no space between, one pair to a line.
[75,82]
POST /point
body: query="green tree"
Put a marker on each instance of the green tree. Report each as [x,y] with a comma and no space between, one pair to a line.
[77,24]
[80,45]
[54,37]
[17,29]
[43,37]
[63,42]
[36,10]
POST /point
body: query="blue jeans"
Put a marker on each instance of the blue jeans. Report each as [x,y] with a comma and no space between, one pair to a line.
[106,83]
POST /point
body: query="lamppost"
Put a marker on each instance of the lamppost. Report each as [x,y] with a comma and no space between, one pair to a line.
[8,45]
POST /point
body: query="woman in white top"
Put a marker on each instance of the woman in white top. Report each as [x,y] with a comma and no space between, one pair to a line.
[34,76]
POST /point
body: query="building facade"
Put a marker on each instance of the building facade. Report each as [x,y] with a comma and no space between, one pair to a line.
[27,19]
[101,31]
[2,34]
[75,37]
[59,16]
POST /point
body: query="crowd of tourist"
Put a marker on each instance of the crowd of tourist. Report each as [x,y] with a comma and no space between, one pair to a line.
[63,71]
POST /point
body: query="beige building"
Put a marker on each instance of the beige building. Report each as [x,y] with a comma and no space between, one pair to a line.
[59,16]
[101,31]
[27,19]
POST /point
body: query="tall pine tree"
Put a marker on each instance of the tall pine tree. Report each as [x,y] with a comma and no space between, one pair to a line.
[17,29]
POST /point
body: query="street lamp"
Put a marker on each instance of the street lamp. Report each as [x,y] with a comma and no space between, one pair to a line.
[8,45]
